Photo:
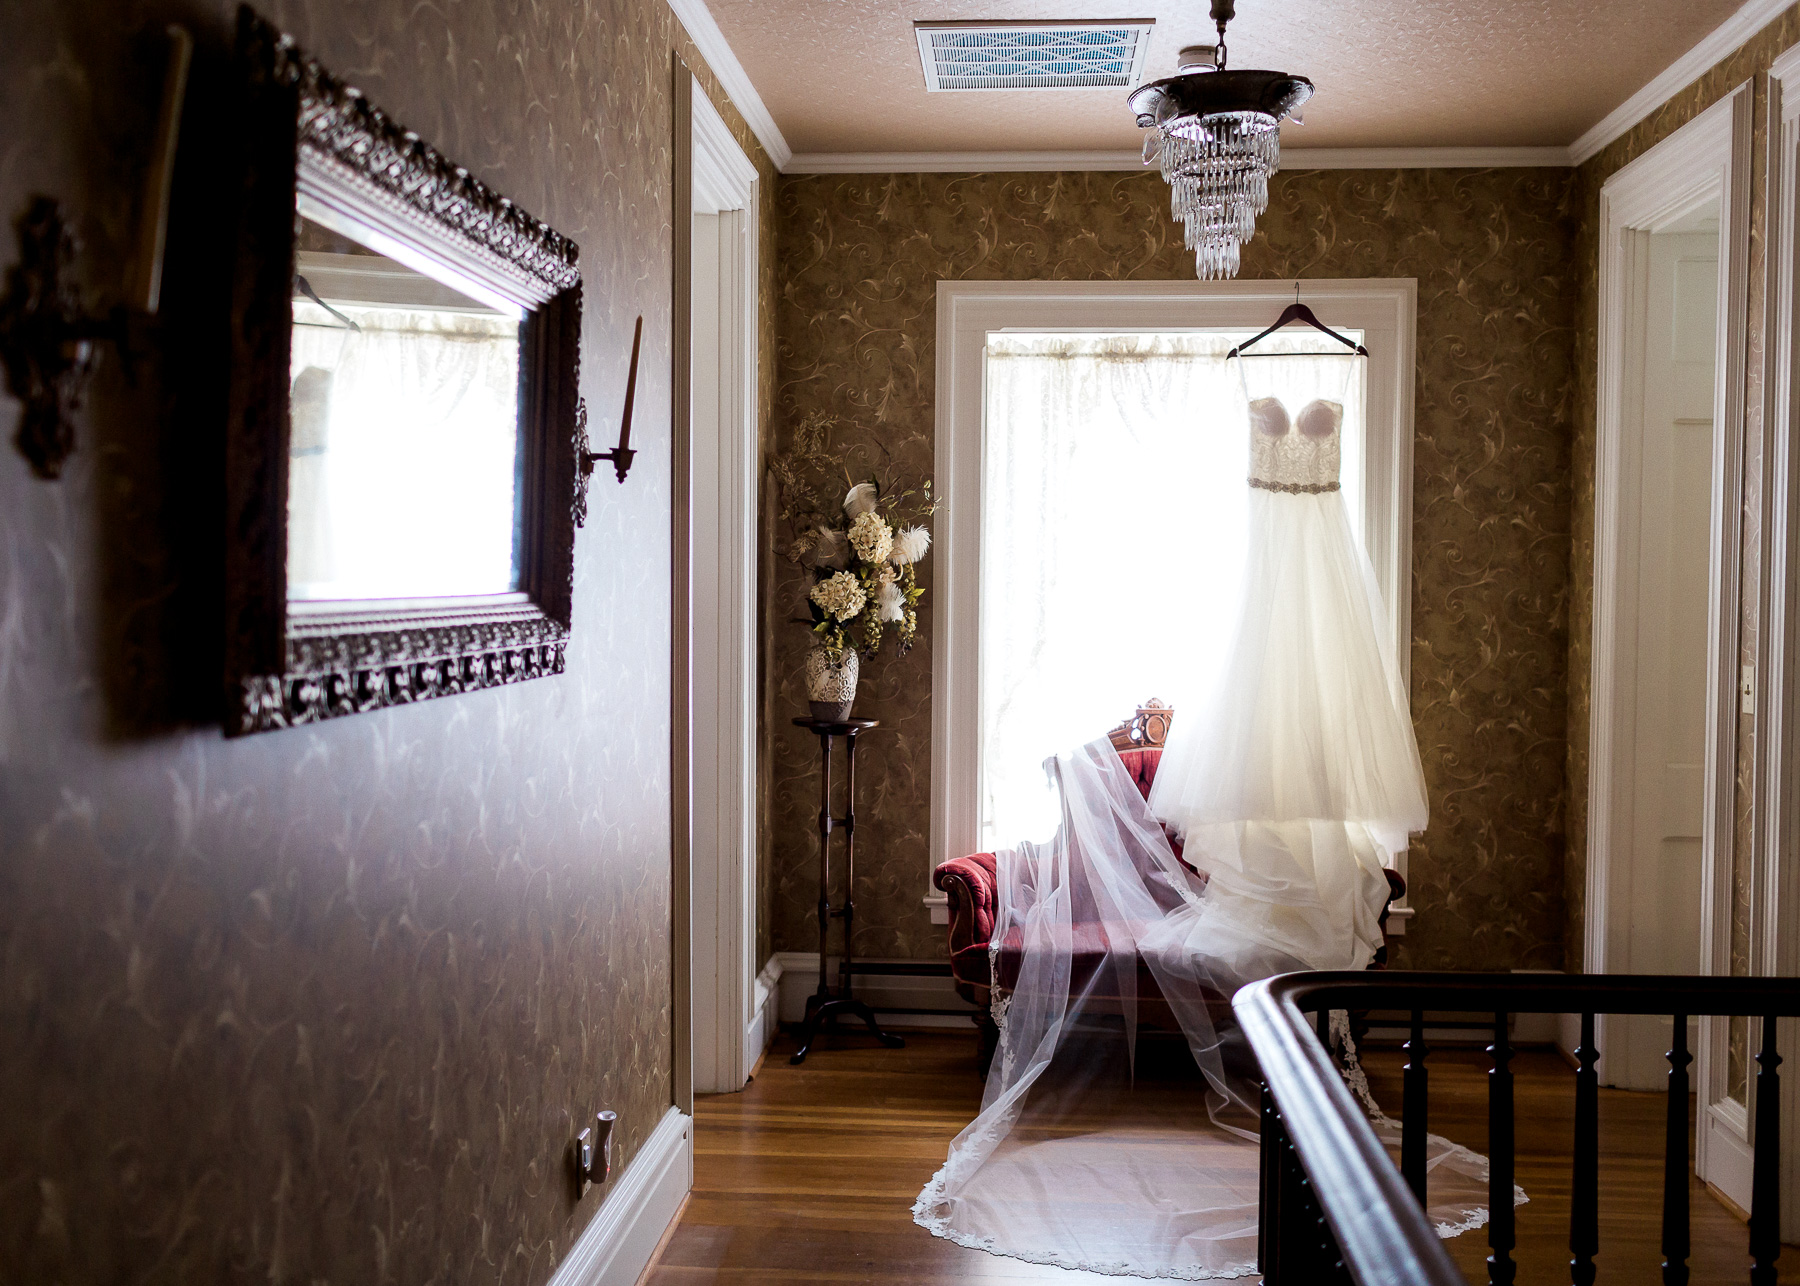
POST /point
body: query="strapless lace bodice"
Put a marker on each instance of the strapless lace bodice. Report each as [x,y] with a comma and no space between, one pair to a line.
[1297,454]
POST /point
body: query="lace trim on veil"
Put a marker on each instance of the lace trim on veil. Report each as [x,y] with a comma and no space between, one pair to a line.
[938,1225]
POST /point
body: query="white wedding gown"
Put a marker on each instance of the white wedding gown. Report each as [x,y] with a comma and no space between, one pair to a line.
[1290,788]
[1299,778]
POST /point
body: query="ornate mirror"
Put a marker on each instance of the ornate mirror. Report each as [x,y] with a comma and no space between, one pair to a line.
[402,462]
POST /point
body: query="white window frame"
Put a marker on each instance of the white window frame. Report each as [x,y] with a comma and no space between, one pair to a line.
[1384,309]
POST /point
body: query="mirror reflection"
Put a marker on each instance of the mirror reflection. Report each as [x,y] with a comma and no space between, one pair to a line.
[404,440]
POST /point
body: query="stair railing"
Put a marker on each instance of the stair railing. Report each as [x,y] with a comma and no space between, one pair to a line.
[1336,1209]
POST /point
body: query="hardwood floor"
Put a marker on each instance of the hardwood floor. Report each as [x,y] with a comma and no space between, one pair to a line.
[809,1175]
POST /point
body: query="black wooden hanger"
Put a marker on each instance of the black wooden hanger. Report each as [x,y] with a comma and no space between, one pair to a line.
[1299,312]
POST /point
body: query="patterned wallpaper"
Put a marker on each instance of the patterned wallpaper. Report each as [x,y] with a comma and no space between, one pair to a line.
[1492,252]
[1748,63]
[319,1004]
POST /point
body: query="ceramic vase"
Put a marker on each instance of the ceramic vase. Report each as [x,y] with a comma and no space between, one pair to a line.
[831,683]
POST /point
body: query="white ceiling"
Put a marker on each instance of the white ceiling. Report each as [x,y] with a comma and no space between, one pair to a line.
[843,76]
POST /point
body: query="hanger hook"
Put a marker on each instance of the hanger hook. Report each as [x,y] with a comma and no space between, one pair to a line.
[1296,292]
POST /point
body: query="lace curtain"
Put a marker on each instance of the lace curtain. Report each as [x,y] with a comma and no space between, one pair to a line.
[1112,541]
[403,455]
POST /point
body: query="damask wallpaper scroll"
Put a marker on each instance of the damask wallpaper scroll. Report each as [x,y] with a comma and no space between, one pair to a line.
[1493,253]
[318,1005]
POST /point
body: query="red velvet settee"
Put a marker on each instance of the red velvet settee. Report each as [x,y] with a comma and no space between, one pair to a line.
[970,885]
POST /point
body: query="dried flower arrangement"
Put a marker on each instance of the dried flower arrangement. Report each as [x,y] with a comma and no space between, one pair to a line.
[863,551]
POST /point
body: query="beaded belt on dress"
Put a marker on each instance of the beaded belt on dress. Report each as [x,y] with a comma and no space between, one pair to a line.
[1294,488]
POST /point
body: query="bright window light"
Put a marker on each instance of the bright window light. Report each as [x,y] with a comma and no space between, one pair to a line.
[1112,545]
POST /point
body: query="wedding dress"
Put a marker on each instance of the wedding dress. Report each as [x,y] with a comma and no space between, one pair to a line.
[1298,777]
[1097,1147]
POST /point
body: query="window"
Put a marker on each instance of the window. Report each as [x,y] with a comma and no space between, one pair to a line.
[1113,510]
[1091,450]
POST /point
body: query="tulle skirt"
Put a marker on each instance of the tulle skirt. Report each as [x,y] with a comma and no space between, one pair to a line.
[1098,1150]
[1309,721]
[1292,785]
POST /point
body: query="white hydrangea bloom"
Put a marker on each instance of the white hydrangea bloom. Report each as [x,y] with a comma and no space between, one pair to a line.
[840,595]
[871,537]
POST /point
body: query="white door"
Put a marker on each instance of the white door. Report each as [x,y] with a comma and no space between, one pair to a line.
[1675,510]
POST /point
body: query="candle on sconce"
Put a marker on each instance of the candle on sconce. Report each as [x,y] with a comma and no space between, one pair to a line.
[621,455]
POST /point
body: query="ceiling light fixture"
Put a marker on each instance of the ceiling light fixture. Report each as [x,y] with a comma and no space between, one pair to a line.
[1217,134]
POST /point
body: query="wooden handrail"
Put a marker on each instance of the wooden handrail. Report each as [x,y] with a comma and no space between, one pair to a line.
[1379,1234]
[1537,993]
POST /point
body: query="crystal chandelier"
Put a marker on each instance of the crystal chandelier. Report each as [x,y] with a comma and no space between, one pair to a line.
[1217,134]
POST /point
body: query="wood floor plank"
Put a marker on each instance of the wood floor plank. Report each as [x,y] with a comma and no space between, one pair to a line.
[809,1175]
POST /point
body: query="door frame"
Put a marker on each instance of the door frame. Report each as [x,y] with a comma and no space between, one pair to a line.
[1706,159]
[1775,889]
[730,1026]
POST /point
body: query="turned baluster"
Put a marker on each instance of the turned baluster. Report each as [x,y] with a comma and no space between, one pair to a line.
[1765,1180]
[1268,1227]
[1414,1110]
[1584,1184]
[1501,1233]
[1675,1162]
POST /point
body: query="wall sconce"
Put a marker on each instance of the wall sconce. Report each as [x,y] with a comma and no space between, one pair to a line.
[47,337]
[621,455]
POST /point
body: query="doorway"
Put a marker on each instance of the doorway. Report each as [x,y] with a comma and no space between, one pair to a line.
[732,1017]
[1676,491]
[1667,539]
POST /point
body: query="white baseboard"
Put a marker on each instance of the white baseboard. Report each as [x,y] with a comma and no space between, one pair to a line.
[800,978]
[765,1002]
[616,1246]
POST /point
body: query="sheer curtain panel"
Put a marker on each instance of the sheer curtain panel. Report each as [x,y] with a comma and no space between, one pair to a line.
[1112,541]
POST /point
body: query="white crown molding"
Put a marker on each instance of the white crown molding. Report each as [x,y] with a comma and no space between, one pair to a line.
[1295,158]
[1422,158]
[1719,43]
[705,33]
[1750,18]
[957,162]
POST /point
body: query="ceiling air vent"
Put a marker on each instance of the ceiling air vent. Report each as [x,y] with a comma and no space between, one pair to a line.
[1033,55]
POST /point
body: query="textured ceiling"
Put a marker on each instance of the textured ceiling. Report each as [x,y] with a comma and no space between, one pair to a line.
[843,75]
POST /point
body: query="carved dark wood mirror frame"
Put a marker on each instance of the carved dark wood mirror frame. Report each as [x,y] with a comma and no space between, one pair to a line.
[303,130]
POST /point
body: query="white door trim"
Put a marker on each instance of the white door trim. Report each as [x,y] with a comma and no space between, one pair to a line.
[1707,159]
[725,463]
[1385,309]
[1774,942]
